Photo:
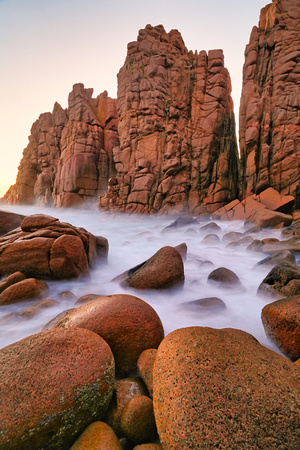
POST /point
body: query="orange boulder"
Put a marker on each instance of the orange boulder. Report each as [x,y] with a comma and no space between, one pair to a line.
[128,324]
[281,320]
[222,389]
[53,385]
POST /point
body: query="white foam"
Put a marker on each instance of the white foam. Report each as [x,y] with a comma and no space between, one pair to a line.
[133,239]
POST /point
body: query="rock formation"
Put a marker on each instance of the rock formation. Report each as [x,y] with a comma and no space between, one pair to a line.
[44,247]
[176,128]
[269,110]
[68,158]
[168,144]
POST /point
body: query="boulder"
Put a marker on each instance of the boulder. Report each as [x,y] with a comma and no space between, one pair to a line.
[163,270]
[222,389]
[276,202]
[68,258]
[145,365]
[281,320]
[37,221]
[53,385]
[211,227]
[137,420]
[98,435]
[37,308]
[238,210]
[292,230]
[182,249]
[128,324]
[125,389]
[266,218]
[211,239]
[49,249]
[28,289]
[224,277]
[181,222]
[9,221]
[232,236]
[86,298]
[205,305]
[282,279]
[292,244]
[58,318]
[277,258]
[10,280]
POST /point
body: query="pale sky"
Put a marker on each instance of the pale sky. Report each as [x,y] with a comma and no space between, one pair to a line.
[47,46]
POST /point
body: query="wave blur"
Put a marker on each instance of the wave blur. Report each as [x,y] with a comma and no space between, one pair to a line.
[133,239]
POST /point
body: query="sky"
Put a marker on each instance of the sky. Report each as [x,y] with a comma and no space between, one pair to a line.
[46,46]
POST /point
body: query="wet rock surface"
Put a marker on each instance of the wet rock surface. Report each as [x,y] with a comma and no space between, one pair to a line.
[281,320]
[283,279]
[210,384]
[224,277]
[163,270]
[73,388]
[46,248]
[128,324]
[98,435]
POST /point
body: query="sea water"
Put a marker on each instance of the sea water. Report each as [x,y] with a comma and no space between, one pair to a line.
[133,239]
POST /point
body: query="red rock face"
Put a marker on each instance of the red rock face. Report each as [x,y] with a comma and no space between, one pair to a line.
[269,122]
[167,144]
[69,155]
[176,128]
[87,141]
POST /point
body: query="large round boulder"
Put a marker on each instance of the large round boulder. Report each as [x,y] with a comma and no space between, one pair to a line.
[163,270]
[128,324]
[281,320]
[53,385]
[222,389]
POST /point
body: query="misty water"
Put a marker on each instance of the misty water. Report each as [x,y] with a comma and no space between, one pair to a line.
[133,239]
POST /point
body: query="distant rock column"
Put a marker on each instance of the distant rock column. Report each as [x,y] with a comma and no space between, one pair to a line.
[269,109]
[37,168]
[88,138]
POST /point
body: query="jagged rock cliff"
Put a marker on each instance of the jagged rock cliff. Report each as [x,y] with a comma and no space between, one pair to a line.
[170,145]
[269,110]
[69,156]
[176,127]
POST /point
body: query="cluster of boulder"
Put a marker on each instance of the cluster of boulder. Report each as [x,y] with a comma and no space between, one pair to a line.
[168,142]
[103,375]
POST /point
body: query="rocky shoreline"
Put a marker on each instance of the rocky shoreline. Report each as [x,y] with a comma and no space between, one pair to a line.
[104,375]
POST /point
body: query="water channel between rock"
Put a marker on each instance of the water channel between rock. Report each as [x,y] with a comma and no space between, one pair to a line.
[133,239]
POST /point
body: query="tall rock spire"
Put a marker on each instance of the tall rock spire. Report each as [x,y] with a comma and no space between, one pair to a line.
[176,127]
[269,110]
